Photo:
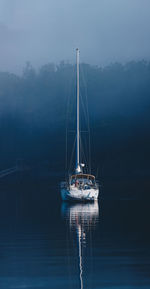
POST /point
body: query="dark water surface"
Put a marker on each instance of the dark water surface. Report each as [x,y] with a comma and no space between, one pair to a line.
[45,243]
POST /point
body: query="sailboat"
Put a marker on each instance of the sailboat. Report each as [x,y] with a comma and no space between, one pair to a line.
[79,186]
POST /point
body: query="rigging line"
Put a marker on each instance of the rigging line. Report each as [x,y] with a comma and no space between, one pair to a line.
[68,101]
[84,110]
[73,149]
[89,151]
[88,147]
[66,151]
[82,151]
[67,114]
[84,105]
[85,86]
[89,143]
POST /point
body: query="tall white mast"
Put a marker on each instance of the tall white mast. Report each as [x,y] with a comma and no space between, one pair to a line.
[78,168]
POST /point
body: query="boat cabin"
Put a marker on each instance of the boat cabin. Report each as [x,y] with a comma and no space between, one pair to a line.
[82,179]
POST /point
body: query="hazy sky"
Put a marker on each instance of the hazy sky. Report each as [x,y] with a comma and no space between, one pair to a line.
[42,31]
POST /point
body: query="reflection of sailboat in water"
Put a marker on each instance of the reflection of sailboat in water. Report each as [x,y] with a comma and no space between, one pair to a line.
[82,218]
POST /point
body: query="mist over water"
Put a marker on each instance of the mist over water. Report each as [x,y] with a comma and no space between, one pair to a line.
[37,107]
[45,243]
[49,244]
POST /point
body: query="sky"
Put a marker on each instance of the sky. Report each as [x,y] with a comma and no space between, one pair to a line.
[43,31]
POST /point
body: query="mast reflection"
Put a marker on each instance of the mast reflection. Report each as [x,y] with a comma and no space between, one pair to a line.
[81,218]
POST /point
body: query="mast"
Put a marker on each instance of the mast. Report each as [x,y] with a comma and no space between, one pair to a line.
[78,168]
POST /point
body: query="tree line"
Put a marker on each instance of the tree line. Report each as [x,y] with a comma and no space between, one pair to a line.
[33,109]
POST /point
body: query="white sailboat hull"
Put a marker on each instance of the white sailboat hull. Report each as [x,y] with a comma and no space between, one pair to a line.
[76,194]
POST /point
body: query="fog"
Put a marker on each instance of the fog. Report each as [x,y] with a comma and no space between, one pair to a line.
[49,31]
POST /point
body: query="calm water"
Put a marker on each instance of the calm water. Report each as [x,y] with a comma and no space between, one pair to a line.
[45,243]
